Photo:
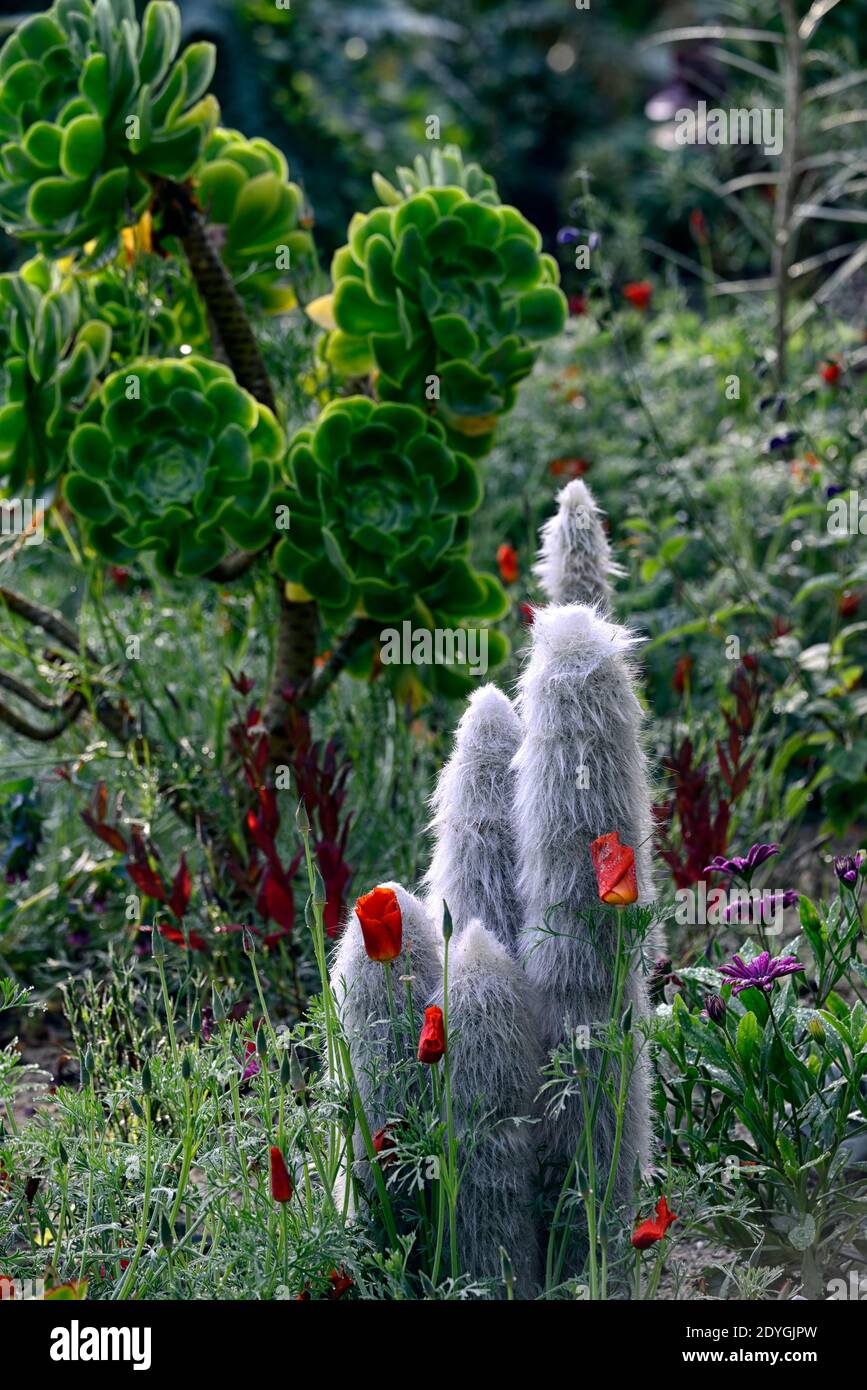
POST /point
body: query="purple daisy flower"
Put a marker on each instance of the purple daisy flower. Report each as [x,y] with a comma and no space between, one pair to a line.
[763,908]
[759,973]
[741,866]
[847,867]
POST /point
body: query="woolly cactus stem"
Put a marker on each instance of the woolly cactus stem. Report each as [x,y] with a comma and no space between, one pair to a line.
[575,563]
[494,1056]
[581,774]
[474,864]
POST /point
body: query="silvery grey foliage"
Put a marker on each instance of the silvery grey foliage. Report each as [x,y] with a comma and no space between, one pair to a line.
[474,864]
[581,773]
[359,987]
[575,563]
[495,1059]
[527,789]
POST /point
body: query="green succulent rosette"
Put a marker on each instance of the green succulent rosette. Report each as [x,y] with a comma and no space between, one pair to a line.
[245,192]
[147,300]
[92,106]
[379,509]
[51,363]
[444,169]
[445,297]
[174,457]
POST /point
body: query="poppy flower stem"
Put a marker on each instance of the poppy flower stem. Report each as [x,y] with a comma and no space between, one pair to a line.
[450,1123]
[167,1002]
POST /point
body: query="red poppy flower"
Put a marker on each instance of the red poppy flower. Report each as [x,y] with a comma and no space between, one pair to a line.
[340,1283]
[507,559]
[648,1232]
[849,604]
[528,616]
[698,226]
[638,294]
[682,674]
[281,1183]
[432,1041]
[830,373]
[615,870]
[382,1141]
[568,468]
[381,923]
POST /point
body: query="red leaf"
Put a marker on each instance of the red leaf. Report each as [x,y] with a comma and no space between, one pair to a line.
[275,901]
[268,813]
[261,838]
[106,833]
[180,898]
[194,941]
[150,883]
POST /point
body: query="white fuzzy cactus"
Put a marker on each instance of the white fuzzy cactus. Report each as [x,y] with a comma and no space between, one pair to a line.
[527,789]
[575,563]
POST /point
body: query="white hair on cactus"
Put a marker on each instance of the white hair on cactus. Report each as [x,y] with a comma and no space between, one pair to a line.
[580,773]
[358,985]
[494,1055]
[474,864]
[575,564]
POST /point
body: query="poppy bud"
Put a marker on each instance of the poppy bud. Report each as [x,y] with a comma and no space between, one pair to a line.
[285,1070]
[167,1235]
[186,1067]
[281,1183]
[638,294]
[448,924]
[146,1082]
[296,1074]
[507,560]
[381,923]
[615,870]
[302,820]
[715,1007]
[382,1141]
[626,1020]
[432,1041]
[319,894]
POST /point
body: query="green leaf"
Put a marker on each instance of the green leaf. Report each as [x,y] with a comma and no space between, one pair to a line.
[748,1036]
[83,147]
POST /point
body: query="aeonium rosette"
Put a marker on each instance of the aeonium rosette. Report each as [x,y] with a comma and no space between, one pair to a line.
[380,506]
[244,190]
[50,363]
[176,458]
[444,297]
[93,105]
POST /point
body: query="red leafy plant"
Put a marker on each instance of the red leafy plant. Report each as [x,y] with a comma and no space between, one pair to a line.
[142,865]
[321,784]
[701,802]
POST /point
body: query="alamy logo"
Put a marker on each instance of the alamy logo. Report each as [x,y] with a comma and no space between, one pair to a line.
[740,126]
[847,515]
[444,646]
[76,1343]
[21,1290]
[23,518]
